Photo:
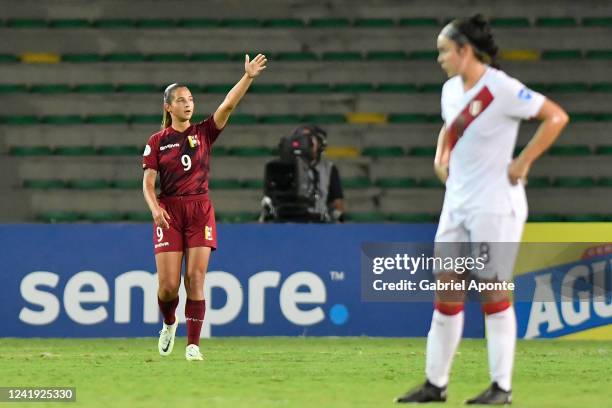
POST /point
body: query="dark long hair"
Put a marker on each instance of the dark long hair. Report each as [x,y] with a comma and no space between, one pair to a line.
[475,31]
[168,95]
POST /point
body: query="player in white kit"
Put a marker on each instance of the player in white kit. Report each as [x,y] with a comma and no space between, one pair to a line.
[485,206]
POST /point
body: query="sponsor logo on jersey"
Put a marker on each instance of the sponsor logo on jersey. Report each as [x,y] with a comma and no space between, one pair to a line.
[525,94]
[147,150]
[208,233]
[475,107]
[193,141]
[169,146]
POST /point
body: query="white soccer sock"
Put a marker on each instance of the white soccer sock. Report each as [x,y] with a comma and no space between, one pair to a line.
[442,341]
[501,340]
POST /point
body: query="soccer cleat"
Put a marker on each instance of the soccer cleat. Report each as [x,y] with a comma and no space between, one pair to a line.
[166,338]
[424,393]
[492,396]
[192,353]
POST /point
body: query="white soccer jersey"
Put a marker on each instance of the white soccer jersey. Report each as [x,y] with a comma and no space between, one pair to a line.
[483,125]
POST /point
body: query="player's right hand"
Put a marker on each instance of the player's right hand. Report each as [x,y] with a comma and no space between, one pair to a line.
[161,217]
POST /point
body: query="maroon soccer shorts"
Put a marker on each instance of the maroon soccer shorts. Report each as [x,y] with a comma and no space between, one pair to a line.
[192,224]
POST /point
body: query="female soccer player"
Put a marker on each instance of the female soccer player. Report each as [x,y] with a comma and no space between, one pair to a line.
[485,203]
[183,214]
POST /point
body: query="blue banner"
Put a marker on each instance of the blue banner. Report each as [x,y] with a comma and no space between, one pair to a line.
[264,280]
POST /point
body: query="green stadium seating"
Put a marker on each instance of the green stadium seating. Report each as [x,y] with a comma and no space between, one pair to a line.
[603,149]
[8,58]
[132,184]
[423,151]
[137,88]
[220,88]
[284,23]
[168,57]
[120,151]
[70,23]
[432,182]
[44,184]
[224,184]
[383,151]
[156,23]
[329,22]
[510,22]
[419,22]
[199,23]
[62,120]
[141,216]
[423,55]
[94,88]
[586,217]
[88,184]
[365,217]
[279,119]
[374,23]
[310,88]
[400,88]
[412,218]
[539,87]
[396,183]
[599,54]
[241,23]
[601,87]
[324,119]
[569,87]
[20,120]
[544,217]
[75,151]
[102,216]
[341,56]
[256,184]
[268,88]
[30,151]
[114,23]
[413,118]
[50,88]
[561,54]
[354,87]
[296,56]
[538,182]
[597,21]
[12,88]
[125,57]
[582,117]
[430,88]
[242,119]
[211,57]
[236,217]
[82,58]
[251,151]
[26,23]
[356,182]
[107,119]
[145,119]
[386,56]
[603,117]
[604,182]
[556,22]
[574,182]
[570,150]
[58,216]
[220,150]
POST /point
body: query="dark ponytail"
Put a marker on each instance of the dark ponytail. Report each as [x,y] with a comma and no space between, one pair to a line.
[168,95]
[477,32]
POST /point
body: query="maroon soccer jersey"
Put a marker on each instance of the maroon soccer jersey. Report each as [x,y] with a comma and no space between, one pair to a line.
[182,158]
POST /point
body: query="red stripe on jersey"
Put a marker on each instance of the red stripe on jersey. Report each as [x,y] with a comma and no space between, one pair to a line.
[472,110]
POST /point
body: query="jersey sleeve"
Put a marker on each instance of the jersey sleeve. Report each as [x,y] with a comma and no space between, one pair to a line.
[520,101]
[150,158]
[209,129]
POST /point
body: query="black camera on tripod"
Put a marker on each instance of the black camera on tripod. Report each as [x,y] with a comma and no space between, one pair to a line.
[290,184]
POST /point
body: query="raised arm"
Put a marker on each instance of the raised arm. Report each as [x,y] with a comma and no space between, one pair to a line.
[554,119]
[251,70]
[442,156]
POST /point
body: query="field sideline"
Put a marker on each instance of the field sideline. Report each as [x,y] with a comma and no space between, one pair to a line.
[295,372]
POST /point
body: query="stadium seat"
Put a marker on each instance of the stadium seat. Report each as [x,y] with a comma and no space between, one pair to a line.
[20,120]
[296,56]
[114,23]
[160,24]
[601,87]
[430,88]
[374,23]
[603,149]
[75,151]
[26,23]
[538,182]
[569,87]
[102,216]
[218,88]
[354,87]
[199,23]
[146,119]
[383,151]
[284,23]
[50,88]
[137,88]
[241,23]
[251,151]
[423,151]
[561,54]
[587,217]
[386,56]
[279,119]
[88,184]
[365,217]
[419,22]
[168,57]
[604,182]
[236,217]
[224,184]
[324,119]
[44,184]
[329,22]
[574,182]
[120,151]
[243,119]
[82,58]
[211,57]
[30,151]
[597,21]
[58,216]
[413,118]
[599,54]
[126,57]
[7,58]
[62,120]
[310,88]
[535,217]
[399,88]
[431,182]
[569,150]
[94,88]
[107,119]
[341,56]
[127,184]
[356,182]
[141,216]
[70,23]
[396,183]
[556,22]
[13,88]
[220,150]
[256,184]
[510,22]
[423,55]
[412,217]
[268,89]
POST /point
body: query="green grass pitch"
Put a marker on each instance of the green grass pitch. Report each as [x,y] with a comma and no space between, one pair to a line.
[295,372]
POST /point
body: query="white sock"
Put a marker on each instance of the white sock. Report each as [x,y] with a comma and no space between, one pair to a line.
[501,340]
[442,341]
